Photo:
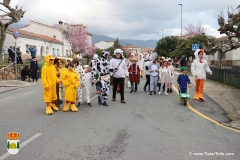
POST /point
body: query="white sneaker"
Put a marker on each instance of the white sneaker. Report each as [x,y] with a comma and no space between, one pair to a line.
[166,93]
[159,92]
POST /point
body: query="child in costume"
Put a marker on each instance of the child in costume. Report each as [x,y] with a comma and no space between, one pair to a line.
[140,63]
[164,76]
[49,81]
[94,65]
[171,68]
[154,71]
[87,88]
[134,71]
[147,72]
[62,69]
[199,67]
[70,80]
[78,68]
[183,80]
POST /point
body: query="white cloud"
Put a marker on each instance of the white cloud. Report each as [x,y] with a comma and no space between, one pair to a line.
[128,18]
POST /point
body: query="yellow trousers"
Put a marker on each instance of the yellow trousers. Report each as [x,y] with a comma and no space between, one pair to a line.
[199,88]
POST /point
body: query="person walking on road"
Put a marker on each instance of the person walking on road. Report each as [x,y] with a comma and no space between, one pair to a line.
[183,61]
[154,70]
[49,80]
[164,76]
[11,53]
[199,67]
[119,70]
[140,63]
[70,80]
[134,75]
[147,72]
[104,78]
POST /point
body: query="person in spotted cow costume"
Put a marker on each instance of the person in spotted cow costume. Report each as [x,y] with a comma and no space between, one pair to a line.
[78,68]
[104,77]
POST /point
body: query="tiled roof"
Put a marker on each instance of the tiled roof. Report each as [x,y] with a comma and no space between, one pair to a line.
[34,35]
[131,47]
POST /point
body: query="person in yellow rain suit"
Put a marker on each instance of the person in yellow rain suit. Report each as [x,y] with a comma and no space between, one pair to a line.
[49,81]
[70,80]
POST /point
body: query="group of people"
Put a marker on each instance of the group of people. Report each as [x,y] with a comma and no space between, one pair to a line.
[12,52]
[76,80]
[29,73]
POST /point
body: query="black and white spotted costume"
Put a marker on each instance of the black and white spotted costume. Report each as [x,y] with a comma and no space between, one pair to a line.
[80,73]
[103,69]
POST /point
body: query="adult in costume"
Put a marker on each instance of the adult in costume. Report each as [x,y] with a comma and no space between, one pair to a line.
[199,67]
[119,70]
[104,78]
[49,81]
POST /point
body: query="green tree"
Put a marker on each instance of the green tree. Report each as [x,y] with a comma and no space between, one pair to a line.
[166,45]
[116,45]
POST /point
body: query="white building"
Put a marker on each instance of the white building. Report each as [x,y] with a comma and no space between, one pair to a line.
[47,39]
[103,45]
[231,58]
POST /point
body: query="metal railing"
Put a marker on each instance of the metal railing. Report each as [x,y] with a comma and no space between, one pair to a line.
[229,76]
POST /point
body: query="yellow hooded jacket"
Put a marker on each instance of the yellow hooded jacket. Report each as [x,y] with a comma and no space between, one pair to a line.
[49,80]
[70,80]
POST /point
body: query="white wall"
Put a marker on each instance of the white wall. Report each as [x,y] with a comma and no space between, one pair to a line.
[230,55]
[23,42]
[102,45]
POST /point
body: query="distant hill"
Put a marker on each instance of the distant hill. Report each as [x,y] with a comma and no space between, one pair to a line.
[149,43]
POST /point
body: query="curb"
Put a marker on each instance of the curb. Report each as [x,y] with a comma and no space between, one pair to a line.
[9,89]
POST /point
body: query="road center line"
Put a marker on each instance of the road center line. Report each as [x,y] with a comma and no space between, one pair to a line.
[5,98]
[28,92]
[6,155]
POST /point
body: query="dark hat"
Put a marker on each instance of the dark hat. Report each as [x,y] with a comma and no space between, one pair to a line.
[56,60]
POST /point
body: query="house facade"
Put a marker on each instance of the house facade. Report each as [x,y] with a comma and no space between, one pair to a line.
[103,45]
[231,58]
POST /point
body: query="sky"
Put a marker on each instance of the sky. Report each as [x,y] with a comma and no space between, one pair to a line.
[129,19]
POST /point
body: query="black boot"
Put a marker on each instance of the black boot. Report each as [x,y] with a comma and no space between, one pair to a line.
[89,105]
[99,101]
[150,93]
[144,88]
[171,91]
[131,91]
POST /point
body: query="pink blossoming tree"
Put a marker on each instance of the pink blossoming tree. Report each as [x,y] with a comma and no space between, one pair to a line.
[79,38]
[191,30]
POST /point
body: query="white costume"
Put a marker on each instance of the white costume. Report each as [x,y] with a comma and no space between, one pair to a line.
[140,61]
[198,68]
[87,88]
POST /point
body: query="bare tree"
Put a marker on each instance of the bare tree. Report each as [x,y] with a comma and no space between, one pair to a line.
[12,15]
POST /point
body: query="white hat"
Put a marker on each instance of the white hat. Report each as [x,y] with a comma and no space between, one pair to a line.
[118,51]
[95,56]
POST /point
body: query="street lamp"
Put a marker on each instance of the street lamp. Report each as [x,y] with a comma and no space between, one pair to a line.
[162,33]
[181,19]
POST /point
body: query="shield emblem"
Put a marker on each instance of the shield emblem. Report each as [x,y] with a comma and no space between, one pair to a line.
[13,146]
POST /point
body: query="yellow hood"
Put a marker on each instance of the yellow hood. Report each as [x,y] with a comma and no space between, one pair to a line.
[47,58]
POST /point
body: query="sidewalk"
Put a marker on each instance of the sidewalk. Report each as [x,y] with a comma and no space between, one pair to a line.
[227,97]
[8,85]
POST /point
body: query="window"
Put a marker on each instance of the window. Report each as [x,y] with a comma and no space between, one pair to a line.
[53,51]
[27,49]
[58,52]
[66,52]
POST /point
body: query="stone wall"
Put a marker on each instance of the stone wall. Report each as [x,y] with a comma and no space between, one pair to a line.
[8,73]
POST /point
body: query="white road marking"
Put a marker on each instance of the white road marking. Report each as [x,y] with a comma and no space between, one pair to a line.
[6,155]
[28,92]
[5,98]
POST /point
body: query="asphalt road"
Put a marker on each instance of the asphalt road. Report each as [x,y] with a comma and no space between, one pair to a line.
[145,128]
